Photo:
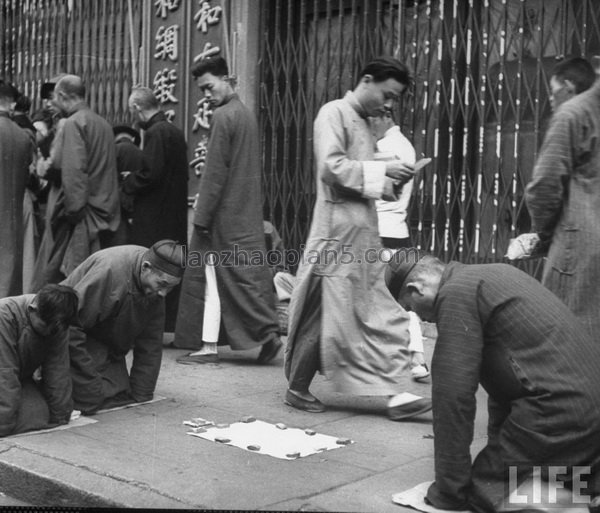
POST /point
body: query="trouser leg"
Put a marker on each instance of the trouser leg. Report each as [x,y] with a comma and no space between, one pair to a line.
[305,358]
[211,322]
[33,413]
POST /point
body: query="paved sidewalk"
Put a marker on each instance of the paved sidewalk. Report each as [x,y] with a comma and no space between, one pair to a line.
[141,457]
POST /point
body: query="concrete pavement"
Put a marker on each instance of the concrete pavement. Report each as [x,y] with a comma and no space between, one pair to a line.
[141,457]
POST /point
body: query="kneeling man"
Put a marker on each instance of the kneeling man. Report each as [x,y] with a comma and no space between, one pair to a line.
[500,327]
[121,307]
[34,334]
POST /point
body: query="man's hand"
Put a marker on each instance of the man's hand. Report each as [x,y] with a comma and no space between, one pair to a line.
[389,190]
[397,170]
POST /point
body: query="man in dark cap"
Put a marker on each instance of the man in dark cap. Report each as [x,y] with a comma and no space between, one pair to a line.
[500,328]
[121,307]
[34,334]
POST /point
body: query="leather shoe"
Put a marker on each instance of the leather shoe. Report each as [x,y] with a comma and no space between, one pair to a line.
[190,359]
[269,351]
[410,409]
[293,400]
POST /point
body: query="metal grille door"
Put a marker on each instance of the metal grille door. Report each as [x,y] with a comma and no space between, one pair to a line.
[98,40]
[479,106]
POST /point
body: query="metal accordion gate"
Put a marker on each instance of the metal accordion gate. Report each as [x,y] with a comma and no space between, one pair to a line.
[98,40]
[479,105]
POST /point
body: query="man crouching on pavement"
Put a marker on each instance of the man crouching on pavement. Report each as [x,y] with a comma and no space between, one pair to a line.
[500,327]
[33,334]
[121,307]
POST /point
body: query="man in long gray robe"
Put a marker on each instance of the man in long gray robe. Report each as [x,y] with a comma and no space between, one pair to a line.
[563,199]
[228,223]
[342,319]
[500,328]
[87,209]
[16,152]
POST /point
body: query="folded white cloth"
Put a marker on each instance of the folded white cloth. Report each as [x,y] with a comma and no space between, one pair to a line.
[526,245]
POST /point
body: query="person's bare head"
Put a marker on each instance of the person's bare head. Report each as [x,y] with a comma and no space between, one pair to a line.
[68,92]
[569,78]
[143,103]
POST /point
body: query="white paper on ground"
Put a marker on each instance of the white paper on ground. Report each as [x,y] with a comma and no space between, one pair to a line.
[80,421]
[415,498]
[287,444]
[131,405]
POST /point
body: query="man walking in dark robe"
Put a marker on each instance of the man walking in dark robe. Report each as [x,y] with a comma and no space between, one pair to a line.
[228,223]
[159,187]
[500,328]
[34,334]
[87,209]
[16,153]
[121,307]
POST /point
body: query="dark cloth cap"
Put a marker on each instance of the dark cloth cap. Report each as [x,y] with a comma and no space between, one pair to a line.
[126,129]
[48,87]
[167,256]
[399,267]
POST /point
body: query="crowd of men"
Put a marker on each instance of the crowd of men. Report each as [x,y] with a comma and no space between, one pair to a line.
[113,248]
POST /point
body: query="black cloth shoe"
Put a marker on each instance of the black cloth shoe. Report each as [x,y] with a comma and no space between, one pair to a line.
[269,351]
[190,359]
[297,402]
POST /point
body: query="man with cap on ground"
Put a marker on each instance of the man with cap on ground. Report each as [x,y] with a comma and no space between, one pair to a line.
[121,308]
[499,327]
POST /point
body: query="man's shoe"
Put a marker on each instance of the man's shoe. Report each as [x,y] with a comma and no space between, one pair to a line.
[420,372]
[410,409]
[293,400]
[269,351]
[190,359]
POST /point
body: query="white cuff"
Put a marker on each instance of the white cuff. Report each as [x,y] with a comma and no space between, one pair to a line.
[373,179]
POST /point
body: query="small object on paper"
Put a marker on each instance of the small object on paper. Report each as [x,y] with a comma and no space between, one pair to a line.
[222,426]
[198,422]
[420,164]
[280,425]
[248,418]
[343,441]
[293,455]
[222,440]
[310,432]
[198,430]
[253,447]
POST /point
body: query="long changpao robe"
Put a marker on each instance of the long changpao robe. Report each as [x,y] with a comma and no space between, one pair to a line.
[500,327]
[563,199]
[115,316]
[16,152]
[229,205]
[25,405]
[364,332]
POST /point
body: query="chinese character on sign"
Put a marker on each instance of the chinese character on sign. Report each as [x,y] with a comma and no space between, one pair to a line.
[207,15]
[208,51]
[164,6]
[202,116]
[166,42]
[199,156]
[170,115]
[164,85]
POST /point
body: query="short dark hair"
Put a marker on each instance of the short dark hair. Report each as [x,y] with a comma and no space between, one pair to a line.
[217,66]
[23,103]
[8,91]
[577,70]
[58,305]
[384,67]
